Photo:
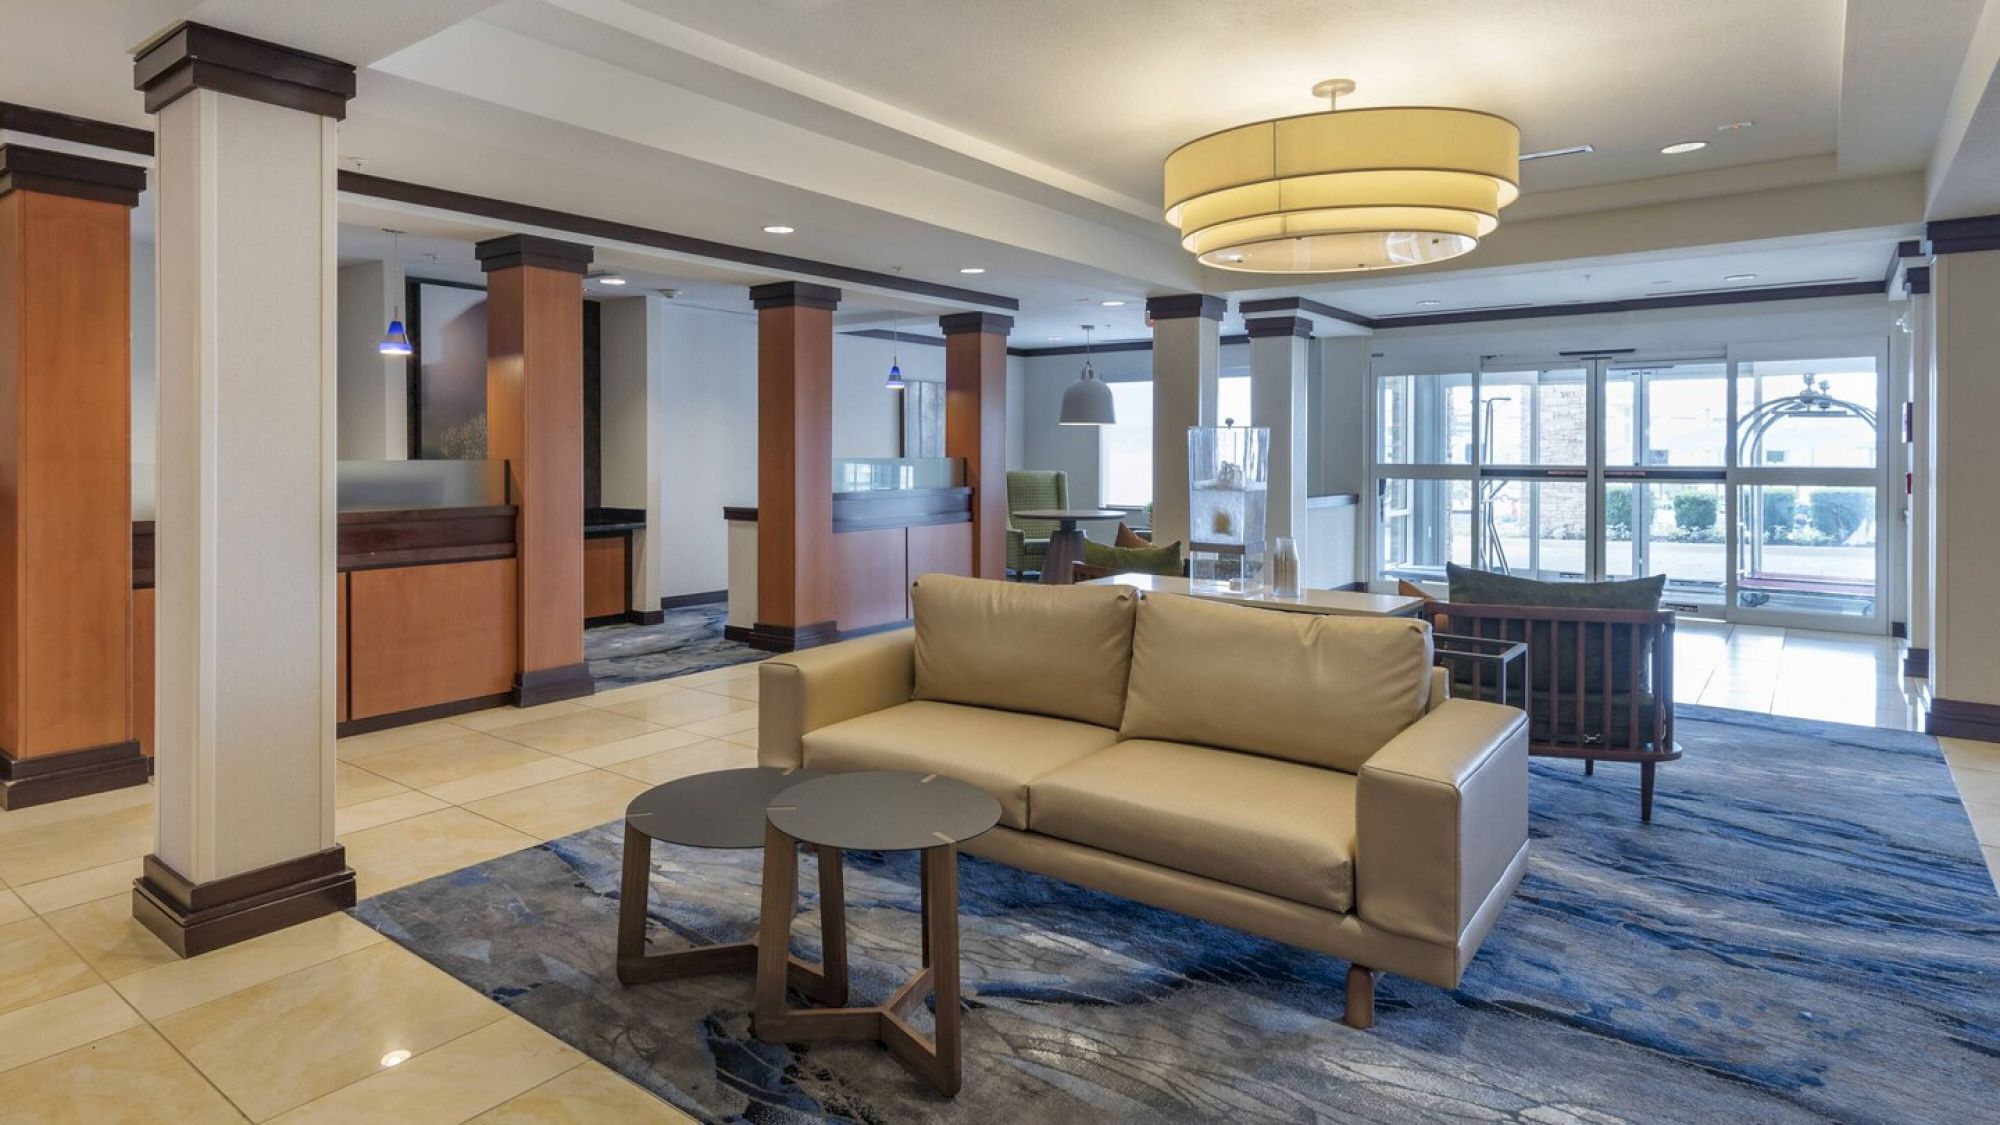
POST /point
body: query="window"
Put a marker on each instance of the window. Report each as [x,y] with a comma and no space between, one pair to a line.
[1125,451]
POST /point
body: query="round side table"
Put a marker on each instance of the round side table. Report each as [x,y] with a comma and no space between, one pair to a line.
[874,810]
[723,809]
[1066,542]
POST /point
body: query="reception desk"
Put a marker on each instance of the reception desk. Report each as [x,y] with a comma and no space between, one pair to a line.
[883,538]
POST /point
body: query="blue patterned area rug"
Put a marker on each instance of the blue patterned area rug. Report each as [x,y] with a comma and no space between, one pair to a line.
[1806,932]
[689,640]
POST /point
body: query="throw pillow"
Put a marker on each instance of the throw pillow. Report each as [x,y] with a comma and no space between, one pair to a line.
[1128,538]
[1141,560]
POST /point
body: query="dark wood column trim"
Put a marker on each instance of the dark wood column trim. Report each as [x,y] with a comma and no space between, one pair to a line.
[1917,279]
[194,918]
[794,294]
[63,173]
[1182,306]
[1962,236]
[1957,718]
[1305,306]
[27,782]
[80,130]
[957,324]
[1917,663]
[1265,326]
[195,56]
[512,250]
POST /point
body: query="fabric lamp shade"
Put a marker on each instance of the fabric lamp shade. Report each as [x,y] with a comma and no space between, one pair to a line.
[1344,190]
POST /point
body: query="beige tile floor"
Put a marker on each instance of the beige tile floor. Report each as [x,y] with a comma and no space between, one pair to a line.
[98,1022]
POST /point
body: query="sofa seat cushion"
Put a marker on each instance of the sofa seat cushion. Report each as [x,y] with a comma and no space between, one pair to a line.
[998,751]
[1267,825]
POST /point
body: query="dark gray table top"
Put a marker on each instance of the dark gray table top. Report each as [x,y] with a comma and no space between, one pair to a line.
[722,809]
[883,810]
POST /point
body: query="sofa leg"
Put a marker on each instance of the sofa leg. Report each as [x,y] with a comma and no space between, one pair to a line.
[1646,791]
[1360,998]
[1590,767]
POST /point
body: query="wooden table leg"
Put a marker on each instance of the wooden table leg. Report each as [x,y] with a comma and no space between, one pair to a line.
[774,927]
[1059,561]
[941,918]
[634,884]
[832,989]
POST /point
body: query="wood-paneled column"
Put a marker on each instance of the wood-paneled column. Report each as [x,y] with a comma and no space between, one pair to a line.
[1278,402]
[1187,360]
[245,539]
[534,421]
[65,476]
[975,426]
[795,562]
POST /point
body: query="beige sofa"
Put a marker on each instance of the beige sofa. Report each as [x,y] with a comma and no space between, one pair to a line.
[1296,776]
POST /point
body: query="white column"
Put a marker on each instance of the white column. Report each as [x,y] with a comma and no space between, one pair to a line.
[246,529]
[1187,359]
[1278,346]
[1965,511]
[1918,566]
[632,430]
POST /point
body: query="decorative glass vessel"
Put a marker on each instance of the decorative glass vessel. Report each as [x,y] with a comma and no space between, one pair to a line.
[1285,568]
[1228,470]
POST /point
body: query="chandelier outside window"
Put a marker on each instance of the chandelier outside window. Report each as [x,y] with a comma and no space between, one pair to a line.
[1344,190]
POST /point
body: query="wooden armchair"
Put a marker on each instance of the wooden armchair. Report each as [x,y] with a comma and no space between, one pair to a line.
[1599,683]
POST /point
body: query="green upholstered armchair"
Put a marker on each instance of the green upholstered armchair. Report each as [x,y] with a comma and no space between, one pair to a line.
[1030,490]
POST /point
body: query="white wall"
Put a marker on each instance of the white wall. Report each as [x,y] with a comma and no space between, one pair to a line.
[144,380]
[373,393]
[864,408]
[709,362]
[1045,444]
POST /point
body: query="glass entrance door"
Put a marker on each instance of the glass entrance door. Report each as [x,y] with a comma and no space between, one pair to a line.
[1752,484]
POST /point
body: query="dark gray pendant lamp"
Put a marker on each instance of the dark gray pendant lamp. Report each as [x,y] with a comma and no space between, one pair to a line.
[1087,402]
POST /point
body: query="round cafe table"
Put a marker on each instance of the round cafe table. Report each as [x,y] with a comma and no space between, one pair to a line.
[1066,542]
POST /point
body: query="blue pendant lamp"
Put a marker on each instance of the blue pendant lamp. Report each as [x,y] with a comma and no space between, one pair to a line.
[1087,402]
[396,341]
[895,381]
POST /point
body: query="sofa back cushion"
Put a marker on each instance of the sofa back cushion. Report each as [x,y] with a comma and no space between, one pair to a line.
[1323,690]
[1049,650]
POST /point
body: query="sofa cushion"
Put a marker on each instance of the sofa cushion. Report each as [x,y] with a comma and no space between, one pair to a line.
[1277,827]
[998,751]
[1050,650]
[1318,689]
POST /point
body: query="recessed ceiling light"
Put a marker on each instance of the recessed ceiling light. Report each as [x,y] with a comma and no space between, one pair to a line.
[1429,303]
[1734,126]
[1741,277]
[972,269]
[1112,304]
[1664,281]
[1055,337]
[395,1058]
[1567,150]
[778,228]
[610,280]
[1679,147]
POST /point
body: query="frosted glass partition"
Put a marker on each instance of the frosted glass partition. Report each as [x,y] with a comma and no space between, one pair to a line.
[367,486]
[142,491]
[876,474]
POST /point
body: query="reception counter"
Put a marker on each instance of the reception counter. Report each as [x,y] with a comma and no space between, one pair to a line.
[882,539]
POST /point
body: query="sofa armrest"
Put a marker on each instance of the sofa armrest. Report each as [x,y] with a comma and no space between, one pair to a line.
[1441,813]
[803,691]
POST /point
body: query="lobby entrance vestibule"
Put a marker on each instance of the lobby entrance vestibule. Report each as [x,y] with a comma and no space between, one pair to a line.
[1754,479]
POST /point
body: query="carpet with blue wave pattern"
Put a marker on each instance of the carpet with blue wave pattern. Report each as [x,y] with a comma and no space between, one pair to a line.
[1806,932]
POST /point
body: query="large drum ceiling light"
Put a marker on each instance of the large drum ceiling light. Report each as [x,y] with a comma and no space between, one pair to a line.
[1357,189]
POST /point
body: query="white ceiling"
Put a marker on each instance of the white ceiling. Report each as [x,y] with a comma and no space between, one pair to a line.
[914,137]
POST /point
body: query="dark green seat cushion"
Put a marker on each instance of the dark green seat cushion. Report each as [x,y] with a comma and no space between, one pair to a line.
[1480,587]
[1136,560]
